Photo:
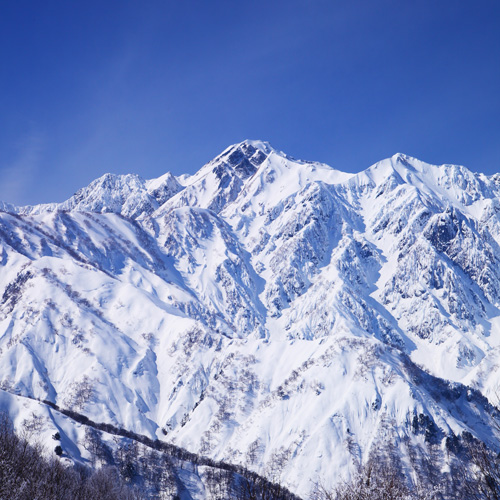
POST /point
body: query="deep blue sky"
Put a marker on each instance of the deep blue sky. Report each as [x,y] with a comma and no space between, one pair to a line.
[89,87]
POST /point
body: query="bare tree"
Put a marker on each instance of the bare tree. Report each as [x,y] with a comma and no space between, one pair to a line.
[482,473]
[25,474]
[374,481]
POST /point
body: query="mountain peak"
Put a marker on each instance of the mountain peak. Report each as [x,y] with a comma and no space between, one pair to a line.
[249,145]
[245,157]
[263,146]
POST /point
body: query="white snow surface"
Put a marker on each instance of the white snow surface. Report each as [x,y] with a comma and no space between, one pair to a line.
[265,311]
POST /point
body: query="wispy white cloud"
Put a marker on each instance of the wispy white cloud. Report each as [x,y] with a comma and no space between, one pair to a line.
[18,176]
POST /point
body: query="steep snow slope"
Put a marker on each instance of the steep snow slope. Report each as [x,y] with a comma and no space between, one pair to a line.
[266,311]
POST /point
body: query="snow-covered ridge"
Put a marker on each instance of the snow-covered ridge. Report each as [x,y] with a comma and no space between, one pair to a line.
[129,195]
[265,310]
[133,196]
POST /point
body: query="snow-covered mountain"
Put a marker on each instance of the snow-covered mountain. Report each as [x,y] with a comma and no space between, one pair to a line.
[266,311]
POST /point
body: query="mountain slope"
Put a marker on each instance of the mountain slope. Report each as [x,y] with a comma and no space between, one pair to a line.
[266,311]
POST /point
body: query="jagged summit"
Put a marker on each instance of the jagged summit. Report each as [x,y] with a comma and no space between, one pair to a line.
[249,147]
[240,159]
[132,196]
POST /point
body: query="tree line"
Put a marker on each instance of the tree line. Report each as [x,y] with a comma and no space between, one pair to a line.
[137,467]
[26,474]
